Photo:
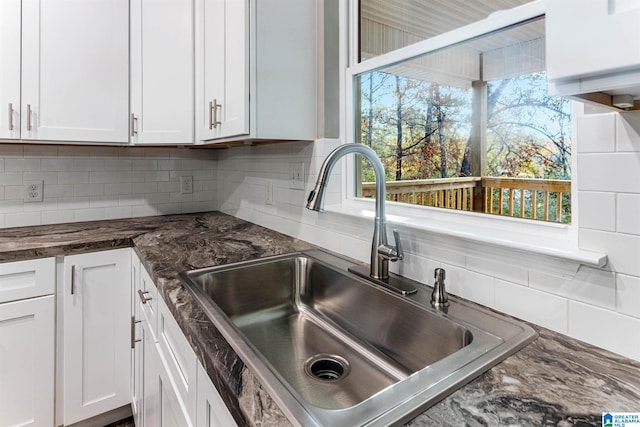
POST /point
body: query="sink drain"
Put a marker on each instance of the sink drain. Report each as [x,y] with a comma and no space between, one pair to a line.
[327,367]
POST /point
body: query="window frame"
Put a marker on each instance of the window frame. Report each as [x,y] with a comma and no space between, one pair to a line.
[546,238]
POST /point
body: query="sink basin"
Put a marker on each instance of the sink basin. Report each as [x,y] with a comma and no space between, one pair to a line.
[334,349]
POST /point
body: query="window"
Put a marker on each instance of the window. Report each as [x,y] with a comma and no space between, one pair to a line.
[466,126]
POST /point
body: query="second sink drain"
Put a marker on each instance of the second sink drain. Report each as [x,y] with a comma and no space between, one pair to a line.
[327,367]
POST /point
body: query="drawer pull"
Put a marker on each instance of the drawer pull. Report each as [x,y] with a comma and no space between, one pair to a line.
[143,296]
[73,279]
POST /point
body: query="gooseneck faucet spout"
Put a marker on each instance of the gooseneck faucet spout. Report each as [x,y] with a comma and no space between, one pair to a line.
[381,252]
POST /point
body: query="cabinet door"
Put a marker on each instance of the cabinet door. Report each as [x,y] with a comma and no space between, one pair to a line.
[211,410]
[10,69]
[586,38]
[179,360]
[97,328]
[162,71]
[161,404]
[150,372]
[136,343]
[222,68]
[75,70]
[27,362]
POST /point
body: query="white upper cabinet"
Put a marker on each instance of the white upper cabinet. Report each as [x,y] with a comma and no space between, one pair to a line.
[222,67]
[256,70]
[9,69]
[162,63]
[593,46]
[75,70]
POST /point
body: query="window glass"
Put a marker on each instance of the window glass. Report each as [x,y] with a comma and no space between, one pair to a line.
[470,127]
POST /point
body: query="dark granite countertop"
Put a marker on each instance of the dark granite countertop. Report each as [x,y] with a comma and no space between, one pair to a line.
[555,381]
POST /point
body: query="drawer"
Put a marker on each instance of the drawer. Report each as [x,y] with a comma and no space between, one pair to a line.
[147,300]
[178,357]
[27,279]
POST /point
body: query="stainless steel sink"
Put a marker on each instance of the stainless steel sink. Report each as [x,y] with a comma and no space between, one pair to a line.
[334,349]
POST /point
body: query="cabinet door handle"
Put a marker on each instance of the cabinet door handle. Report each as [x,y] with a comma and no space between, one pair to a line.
[213,114]
[133,332]
[29,114]
[134,125]
[73,279]
[211,108]
[143,296]
[10,116]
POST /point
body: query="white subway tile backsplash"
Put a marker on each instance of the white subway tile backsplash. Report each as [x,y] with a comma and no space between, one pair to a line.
[87,183]
[22,219]
[532,305]
[56,165]
[11,178]
[57,217]
[609,172]
[597,210]
[47,177]
[596,133]
[628,131]
[472,286]
[497,268]
[605,328]
[628,209]
[73,177]
[628,295]
[22,165]
[590,285]
[622,249]
[89,189]
[10,151]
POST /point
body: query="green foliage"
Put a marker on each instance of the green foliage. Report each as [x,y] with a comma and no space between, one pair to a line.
[422,130]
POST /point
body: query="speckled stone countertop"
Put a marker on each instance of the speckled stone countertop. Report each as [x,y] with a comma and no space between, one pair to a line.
[555,381]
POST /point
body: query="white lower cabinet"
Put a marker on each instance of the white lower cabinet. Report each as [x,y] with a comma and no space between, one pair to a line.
[211,410]
[97,333]
[27,343]
[170,387]
[27,362]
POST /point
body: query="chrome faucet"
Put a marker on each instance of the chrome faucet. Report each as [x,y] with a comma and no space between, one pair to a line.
[381,252]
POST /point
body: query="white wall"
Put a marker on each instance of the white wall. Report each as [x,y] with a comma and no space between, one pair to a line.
[91,183]
[600,306]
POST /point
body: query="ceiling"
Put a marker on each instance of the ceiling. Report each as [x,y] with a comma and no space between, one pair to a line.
[427,18]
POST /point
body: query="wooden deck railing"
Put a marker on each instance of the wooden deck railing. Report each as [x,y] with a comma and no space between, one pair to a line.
[545,199]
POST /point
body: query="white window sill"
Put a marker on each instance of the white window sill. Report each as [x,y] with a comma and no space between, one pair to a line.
[536,237]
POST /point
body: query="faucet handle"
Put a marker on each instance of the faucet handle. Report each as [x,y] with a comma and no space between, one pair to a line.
[399,251]
[392,253]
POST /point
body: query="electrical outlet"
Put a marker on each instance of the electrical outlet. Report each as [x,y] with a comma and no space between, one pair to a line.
[33,191]
[186,185]
[268,193]
[296,176]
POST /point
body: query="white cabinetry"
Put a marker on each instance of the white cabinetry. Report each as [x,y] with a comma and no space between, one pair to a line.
[170,386]
[10,69]
[162,63]
[212,411]
[27,343]
[97,313]
[593,46]
[256,70]
[75,70]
